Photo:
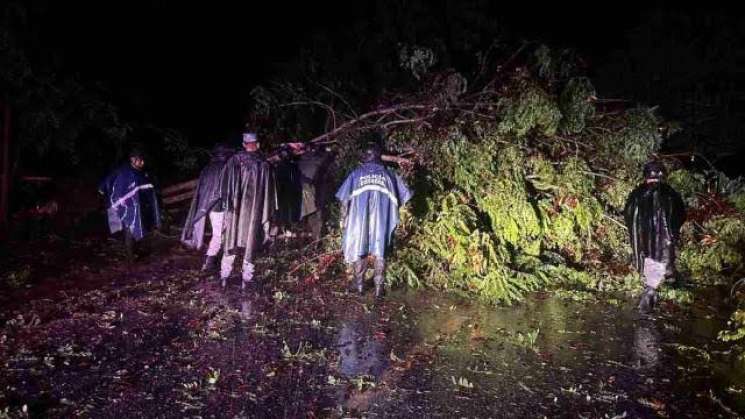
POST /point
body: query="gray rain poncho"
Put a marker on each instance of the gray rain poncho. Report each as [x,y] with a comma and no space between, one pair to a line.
[372,196]
[206,197]
[250,201]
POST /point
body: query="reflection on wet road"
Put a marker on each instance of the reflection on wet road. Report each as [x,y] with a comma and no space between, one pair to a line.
[361,351]
[646,345]
[546,357]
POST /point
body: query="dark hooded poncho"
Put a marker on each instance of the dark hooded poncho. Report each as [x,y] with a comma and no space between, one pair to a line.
[654,214]
[131,201]
[206,197]
[289,191]
[250,201]
[372,196]
[314,167]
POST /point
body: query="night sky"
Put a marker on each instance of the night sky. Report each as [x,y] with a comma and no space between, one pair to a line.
[190,65]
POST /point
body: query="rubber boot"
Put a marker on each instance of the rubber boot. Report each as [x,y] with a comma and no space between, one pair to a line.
[379,278]
[358,271]
[226,268]
[129,246]
[210,264]
[247,276]
[647,301]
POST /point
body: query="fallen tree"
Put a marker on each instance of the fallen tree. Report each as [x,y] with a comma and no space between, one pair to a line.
[520,178]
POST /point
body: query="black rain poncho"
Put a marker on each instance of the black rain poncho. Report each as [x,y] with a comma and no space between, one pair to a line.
[654,214]
[206,198]
[289,191]
[314,166]
[250,200]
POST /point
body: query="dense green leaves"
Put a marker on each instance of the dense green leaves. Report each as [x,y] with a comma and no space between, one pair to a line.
[534,199]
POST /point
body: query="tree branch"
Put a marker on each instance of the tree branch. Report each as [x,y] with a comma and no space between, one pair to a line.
[379,112]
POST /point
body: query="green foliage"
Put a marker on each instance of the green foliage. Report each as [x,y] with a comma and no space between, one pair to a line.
[734,189]
[528,339]
[636,139]
[494,215]
[688,184]
[530,109]
[551,64]
[738,200]
[736,327]
[457,250]
[613,192]
[416,60]
[499,216]
[576,105]
[679,296]
[715,252]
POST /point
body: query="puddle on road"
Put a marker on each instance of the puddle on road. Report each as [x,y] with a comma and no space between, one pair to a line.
[547,356]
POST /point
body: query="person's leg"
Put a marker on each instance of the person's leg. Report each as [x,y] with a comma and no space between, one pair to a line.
[315,222]
[379,277]
[247,268]
[213,248]
[216,240]
[273,234]
[671,276]
[646,302]
[653,274]
[226,268]
[129,245]
[198,226]
[358,273]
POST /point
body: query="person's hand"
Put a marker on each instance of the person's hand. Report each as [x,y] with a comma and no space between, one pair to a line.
[297,148]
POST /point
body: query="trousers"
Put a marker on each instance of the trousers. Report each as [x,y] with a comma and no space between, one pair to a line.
[213,248]
[226,267]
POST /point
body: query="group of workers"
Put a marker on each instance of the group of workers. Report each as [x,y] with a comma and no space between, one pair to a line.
[246,197]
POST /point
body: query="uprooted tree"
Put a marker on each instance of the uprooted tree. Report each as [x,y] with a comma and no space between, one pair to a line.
[520,177]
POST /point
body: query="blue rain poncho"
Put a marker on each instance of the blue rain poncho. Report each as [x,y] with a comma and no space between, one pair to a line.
[131,201]
[371,195]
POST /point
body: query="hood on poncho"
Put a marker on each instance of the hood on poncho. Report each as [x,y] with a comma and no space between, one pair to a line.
[654,214]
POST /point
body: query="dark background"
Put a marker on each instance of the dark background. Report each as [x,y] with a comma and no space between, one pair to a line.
[190,66]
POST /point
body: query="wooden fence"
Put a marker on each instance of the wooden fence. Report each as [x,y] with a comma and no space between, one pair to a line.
[175,196]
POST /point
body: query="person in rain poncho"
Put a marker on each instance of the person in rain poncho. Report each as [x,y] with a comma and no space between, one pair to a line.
[247,190]
[131,203]
[654,214]
[288,187]
[314,166]
[370,197]
[207,204]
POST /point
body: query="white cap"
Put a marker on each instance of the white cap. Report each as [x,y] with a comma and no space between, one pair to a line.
[249,137]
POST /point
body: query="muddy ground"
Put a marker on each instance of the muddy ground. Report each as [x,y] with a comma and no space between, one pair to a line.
[82,333]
